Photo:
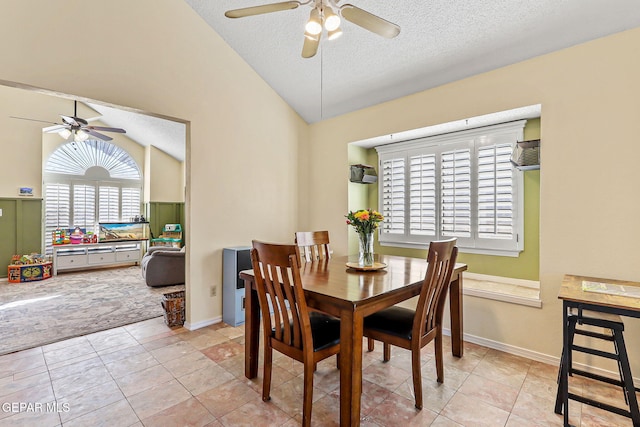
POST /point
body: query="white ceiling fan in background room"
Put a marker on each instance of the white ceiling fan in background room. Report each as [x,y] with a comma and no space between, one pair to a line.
[325,15]
[76,126]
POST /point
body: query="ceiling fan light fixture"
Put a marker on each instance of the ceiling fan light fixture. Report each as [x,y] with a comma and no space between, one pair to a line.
[334,34]
[80,136]
[314,37]
[314,24]
[331,20]
[65,133]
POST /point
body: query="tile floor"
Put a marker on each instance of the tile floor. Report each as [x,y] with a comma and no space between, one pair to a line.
[147,374]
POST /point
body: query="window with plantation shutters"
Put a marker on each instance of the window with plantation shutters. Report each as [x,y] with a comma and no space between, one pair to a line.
[84,206]
[131,203]
[57,209]
[393,195]
[90,182]
[109,201]
[455,190]
[456,185]
[422,195]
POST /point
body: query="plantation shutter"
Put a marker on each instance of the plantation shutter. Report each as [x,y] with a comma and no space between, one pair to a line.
[393,196]
[109,202]
[84,206]
[456,193]
[130,203]
[57,210]
[495,192]
[422,195]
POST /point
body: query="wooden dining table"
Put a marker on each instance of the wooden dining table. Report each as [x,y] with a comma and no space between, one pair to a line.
[351,295]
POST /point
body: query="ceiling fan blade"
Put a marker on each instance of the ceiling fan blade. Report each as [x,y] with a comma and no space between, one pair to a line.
[105,129]
[56,129]
[310,46]
[97,134]
[34,120]
[259,10]
[369,21]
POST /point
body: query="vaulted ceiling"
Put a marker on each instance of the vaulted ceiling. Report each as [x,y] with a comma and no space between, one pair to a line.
[440,41]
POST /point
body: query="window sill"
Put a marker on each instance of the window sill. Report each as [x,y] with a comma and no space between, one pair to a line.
[506,289]
[423,245]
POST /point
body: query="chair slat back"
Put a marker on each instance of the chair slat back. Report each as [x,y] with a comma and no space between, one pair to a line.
[277,272]
[429,310]
[314,245]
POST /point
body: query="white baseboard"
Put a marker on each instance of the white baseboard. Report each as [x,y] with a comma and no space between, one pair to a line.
[202,323]
[534,355]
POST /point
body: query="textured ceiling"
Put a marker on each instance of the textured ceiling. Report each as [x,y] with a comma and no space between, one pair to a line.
[166,135]
[440,41]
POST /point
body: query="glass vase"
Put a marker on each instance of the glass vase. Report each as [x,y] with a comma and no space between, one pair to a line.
[365,258]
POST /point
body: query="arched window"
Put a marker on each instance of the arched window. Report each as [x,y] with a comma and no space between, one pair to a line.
[90,182]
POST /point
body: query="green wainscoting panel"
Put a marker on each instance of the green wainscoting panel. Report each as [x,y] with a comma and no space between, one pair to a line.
[160,213]
[20,229]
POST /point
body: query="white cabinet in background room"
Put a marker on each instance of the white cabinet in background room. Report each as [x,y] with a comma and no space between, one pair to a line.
[73,257]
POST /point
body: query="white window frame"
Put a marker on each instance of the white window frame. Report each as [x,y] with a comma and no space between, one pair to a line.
[105,159]
[436,145]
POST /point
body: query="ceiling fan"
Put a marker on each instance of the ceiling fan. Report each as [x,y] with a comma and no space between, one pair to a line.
[76,126]
[324,13]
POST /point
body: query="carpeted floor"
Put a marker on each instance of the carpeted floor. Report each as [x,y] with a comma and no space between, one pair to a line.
[73,304]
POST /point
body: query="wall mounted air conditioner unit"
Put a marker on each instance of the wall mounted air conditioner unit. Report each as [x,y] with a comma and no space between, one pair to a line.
[363,174]
[526,155]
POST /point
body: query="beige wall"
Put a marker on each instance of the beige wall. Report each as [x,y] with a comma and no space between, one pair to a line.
[589,178]
[161,57]
[166,177]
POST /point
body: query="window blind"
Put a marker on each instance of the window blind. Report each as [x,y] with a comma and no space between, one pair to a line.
[109,202]
[422,195]
[393,196]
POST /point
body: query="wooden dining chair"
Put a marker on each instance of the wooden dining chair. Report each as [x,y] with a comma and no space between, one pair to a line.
[314,245]
[292,329]
[413,329]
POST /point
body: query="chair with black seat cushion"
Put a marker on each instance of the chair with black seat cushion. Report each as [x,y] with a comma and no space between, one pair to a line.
[292,329]
[314,245]
[413,329]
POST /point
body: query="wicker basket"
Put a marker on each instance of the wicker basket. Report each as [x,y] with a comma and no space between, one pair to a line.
[173,305]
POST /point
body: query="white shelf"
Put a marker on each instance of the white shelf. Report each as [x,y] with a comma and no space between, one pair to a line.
[76,257]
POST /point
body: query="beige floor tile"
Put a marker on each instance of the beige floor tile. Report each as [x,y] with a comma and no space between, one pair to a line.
[491,392]
[75,368]
[444,422]
[9,386]
[132,364]
[227,397]
[385,375]
[111,355]
[205,379]
[189,413]
[255,413]
[172,351]
[118,338]
[541,409]
[12,366]
[289,395]
[473,412]
[397,410]
[80,381]
[188,363]
[156,399]
[118,413]
[61,354]
[497,370]
[144,380]
[223,351]
[89,400]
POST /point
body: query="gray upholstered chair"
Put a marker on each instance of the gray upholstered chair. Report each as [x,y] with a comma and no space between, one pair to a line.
[163,266]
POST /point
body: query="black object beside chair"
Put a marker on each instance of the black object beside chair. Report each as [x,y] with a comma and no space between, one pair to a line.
[615,336]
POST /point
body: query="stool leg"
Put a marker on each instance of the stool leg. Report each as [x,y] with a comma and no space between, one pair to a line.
[558,407]
[630,391]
